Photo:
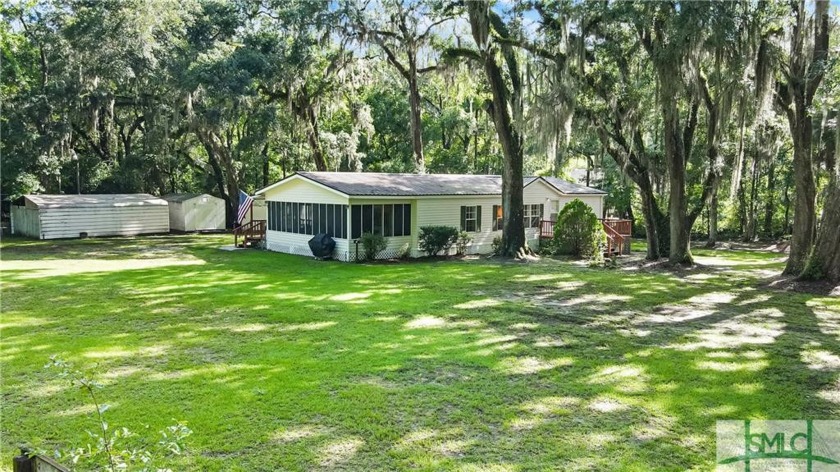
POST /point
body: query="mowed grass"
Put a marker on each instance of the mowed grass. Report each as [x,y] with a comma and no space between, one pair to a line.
[279,362]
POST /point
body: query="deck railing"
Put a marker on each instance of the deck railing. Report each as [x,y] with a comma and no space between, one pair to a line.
[622,227]
[618,233]
[251,231]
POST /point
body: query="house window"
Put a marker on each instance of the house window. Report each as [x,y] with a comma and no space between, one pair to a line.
[308,218]
[532,215]
[498,221]
[471,219]
[384,220]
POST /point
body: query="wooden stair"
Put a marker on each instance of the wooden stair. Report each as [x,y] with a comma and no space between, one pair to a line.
[618,235]
[617,243]
[252,233]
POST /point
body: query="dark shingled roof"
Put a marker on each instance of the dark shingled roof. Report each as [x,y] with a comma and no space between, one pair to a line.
[372,184]
[571,188]
[393,185]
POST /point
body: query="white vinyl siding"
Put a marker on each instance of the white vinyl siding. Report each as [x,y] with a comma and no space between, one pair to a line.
[303,191]
[26,221]
[595,202]
[200,213]
[58,223]
[73,216]
[446,211]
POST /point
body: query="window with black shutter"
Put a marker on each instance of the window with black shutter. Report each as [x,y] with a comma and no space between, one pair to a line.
[470,219]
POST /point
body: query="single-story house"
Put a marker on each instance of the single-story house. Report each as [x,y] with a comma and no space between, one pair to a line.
[74,216]
[345,205]
[190,212]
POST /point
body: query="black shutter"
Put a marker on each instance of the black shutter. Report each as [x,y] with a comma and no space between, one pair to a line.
[542,209]
[407,220]
[478,219]
[463,218]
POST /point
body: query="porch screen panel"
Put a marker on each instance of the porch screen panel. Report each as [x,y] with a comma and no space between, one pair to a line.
[357,222]
[406,220]
[398,220]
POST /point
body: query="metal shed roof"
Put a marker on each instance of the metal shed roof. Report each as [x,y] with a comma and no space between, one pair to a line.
[565,186]
[182,197]
[374,184]
[93,200]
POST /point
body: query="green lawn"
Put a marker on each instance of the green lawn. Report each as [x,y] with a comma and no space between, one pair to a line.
[280,362]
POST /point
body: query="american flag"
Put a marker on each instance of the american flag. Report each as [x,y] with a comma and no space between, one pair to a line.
[245,202]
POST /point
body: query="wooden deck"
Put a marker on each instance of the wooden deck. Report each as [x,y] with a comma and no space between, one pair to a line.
[619,233]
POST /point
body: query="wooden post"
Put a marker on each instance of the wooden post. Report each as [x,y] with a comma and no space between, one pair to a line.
[23,463]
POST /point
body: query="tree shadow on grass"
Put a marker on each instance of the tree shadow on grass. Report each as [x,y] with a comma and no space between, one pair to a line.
[281,361]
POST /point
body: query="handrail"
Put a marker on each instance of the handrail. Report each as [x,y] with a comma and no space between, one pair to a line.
[251,228]
[623,227]
[614,236]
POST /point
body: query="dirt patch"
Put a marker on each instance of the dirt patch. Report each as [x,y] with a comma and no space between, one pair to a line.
[786,283]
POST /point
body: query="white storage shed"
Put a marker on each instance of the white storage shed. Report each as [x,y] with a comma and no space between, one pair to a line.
[190,212]
[74,216]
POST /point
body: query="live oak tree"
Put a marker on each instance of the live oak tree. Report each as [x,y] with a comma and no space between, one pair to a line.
[500,64]
[709,118]
[804,69]
[403,31]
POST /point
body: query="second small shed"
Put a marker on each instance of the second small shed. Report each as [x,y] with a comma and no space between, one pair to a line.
[190,212]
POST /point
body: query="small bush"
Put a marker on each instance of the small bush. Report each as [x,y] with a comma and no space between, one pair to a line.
[434,239]
[577,231]
[497,245]
[373,244]
[548,247]
[464,240]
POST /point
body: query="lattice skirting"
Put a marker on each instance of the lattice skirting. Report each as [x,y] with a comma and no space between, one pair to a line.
[389,253]
[303,250]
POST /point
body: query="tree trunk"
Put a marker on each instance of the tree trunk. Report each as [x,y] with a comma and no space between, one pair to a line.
[824,263]
[751,206]
[513,233]
[651,230]
[796,98]
[769,208]
[314,138]
[416,121]
[804,210]
[679,251]
[713,219]
[265,166]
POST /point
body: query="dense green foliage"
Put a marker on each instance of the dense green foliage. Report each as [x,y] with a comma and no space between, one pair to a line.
[436,239]
[577,231]
[697,117]
[373,244]
[276,366]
